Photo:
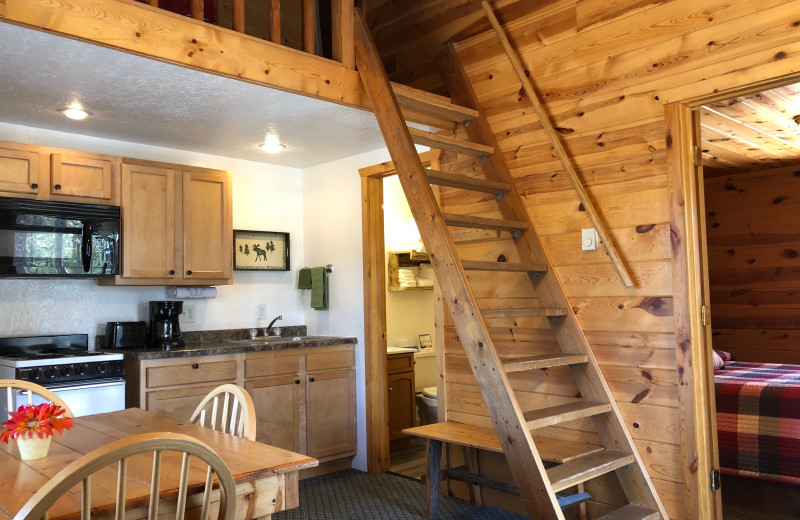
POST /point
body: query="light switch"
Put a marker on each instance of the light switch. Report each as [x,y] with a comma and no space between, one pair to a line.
[589,239]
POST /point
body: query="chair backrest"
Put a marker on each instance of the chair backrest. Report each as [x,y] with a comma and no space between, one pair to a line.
[81,470]
[30,389]
[227,408]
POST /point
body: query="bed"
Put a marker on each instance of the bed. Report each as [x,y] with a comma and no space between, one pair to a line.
[758,420]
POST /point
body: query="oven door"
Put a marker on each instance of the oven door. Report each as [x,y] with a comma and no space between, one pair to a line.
[85,398]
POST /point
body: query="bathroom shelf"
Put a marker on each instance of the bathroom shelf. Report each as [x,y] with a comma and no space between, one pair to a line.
[398,259]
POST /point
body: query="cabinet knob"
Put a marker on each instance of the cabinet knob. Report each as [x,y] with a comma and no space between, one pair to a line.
[171,271]
[311,379]
[57,186]
[391,389]
[189,272]
[35,186]
[297,381]
[195,366]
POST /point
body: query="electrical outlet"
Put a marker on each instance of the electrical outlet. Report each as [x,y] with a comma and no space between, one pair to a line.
[261,309]
[188,315]
[589,239]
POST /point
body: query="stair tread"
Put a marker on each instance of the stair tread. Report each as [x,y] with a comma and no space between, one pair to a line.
[455,219]
[456,180]
[551,450]
[564,413]
[631,512]
[587,467]
[521,364]
[524,313]
[423,101]
[450,144]
[480,265]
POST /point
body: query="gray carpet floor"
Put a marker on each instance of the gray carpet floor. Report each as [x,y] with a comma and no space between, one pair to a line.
[353,494]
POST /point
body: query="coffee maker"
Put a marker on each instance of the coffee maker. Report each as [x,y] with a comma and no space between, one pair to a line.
[165,330]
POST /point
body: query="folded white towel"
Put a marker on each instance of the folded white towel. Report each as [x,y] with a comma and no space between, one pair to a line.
[424,282]
[408,284]
[409,270]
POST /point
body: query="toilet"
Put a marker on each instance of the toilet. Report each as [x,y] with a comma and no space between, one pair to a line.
[427,406]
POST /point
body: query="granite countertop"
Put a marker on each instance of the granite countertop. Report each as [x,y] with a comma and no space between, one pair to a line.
[210,343]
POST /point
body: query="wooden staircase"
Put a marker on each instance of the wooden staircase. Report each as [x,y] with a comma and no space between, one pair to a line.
[537,484]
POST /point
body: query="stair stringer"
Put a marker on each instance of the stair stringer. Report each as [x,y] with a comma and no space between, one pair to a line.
[635,481]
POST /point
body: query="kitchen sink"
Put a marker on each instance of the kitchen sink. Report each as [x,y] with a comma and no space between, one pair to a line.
[271,339]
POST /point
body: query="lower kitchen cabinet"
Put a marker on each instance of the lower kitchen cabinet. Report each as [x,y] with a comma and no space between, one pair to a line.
[304,399]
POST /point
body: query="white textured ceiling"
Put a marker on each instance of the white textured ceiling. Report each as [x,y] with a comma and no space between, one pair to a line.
[146,101]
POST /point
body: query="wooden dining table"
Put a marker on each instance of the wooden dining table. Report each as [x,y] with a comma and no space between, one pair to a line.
[266,477]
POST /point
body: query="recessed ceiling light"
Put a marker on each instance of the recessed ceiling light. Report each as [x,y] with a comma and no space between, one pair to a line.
[272,145]
[78,114]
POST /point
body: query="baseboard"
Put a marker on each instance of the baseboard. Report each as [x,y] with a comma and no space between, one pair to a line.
[324,468]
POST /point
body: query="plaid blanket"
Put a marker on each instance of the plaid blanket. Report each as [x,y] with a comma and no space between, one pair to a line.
[758,420]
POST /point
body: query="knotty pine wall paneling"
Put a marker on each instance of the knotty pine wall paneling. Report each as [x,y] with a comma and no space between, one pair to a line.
[753,229]
[604,71]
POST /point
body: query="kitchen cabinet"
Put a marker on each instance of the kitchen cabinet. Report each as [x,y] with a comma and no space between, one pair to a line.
[314,391]
[304,398]
[177,225]
[45,173]
[176,386]
[402,404]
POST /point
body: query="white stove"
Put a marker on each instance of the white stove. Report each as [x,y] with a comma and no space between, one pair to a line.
[89,382]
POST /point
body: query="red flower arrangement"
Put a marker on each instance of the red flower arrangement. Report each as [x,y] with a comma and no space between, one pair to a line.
[41,419]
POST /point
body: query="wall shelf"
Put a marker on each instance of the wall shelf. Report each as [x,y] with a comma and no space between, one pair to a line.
[398,259]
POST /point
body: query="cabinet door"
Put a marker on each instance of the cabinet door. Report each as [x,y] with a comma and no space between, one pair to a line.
[402,407]
[178,402]
[81,176]
[207,226]
[148,222]
[330,412]
[277,402]
[19,171]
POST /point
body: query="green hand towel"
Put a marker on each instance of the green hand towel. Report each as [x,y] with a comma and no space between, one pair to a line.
[304,278]
[319,288]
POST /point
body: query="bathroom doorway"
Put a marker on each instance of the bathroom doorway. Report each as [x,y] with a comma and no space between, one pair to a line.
[399,308]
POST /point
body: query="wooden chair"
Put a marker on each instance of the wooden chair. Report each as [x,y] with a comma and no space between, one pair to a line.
[236,415]
[81,470]
[31,389]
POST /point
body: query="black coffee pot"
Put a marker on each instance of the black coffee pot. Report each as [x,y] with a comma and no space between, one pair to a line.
[165,328]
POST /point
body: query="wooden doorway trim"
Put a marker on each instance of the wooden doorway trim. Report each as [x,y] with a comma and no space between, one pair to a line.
[699,452]
[377,398]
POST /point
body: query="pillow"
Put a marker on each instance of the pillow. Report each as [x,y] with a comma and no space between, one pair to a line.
[726,356]
[718,362]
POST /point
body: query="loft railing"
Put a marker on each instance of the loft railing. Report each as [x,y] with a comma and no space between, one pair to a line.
[321,27]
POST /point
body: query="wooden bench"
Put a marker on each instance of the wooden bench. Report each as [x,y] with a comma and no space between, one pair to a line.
[474,438]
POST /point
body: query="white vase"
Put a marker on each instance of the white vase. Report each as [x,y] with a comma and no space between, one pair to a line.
[33,448]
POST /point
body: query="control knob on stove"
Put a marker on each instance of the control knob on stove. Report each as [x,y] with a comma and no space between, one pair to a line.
[34,374]
[102,368]
[66,370]
[80,369]
[50,372]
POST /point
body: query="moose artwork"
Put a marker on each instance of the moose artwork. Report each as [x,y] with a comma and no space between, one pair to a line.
[260,250]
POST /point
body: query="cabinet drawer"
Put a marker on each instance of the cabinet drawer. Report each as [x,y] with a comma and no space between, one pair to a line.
[396,363]
[270,366]
[326,360]
[191,372]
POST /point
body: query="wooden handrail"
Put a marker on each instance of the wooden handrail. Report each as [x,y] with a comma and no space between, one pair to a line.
[555,140]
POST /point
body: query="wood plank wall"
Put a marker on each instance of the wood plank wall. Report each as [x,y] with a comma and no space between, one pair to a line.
[753,227]
[604,69]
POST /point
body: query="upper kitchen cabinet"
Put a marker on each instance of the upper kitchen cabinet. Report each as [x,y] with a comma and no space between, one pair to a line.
[45,173]
[177,225]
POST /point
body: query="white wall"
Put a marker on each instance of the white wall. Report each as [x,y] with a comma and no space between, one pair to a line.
[332,197]
[265,197]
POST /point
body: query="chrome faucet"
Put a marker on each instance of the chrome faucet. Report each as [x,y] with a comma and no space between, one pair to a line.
[269,330]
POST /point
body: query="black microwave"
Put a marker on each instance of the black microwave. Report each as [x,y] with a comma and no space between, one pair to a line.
[54,239]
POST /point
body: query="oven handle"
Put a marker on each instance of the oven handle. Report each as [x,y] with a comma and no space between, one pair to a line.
[56,389]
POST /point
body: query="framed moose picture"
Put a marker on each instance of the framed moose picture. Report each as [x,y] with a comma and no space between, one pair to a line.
[260,250]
